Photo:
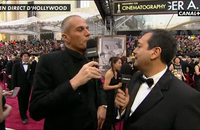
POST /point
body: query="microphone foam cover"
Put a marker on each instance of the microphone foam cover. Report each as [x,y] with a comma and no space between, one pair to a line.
[126,69]
[92,43]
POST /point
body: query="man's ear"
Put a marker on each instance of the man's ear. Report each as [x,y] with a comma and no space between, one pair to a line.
[65,37]
[156,51]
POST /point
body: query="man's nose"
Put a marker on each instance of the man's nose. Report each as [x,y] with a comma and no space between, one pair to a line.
[87,32]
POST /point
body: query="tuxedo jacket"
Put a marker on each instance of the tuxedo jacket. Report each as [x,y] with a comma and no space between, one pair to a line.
[9,67]
[171,105]
[20,78]
[54,99]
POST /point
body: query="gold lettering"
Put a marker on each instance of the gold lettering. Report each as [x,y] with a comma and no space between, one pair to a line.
[144,7]
[124,7]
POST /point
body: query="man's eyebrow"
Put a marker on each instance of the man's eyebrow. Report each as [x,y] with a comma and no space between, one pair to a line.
[82,27]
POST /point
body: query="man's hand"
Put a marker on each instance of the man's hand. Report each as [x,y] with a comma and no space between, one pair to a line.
[87,72]
[101,115]
[122,99]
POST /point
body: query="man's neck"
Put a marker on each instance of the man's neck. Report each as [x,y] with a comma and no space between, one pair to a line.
[75,50]
[151,71]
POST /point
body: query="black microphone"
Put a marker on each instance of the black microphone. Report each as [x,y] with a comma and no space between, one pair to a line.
[126,73]
[92,54]
[91,50]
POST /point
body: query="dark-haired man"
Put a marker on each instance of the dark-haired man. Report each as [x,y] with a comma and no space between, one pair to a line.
[22,77]
[155,99]
[67,90]
[9,71]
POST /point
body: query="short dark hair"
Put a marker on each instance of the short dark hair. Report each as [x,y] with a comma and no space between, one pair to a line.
[65,27]
[124,59]
[175,59]
[163,39]
[23,53]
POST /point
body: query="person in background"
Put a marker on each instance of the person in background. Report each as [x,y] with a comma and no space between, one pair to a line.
[33,63]
[67,89]
[18,58]
[22,77]
[4,62]
[184,65]
[124,60]
[111,84]
[176,69]
[191,66]
[9,71]
[197,76]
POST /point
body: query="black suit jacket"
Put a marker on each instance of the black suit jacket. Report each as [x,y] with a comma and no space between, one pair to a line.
[171,105]
[53,97]
[33,66]
[184,65]
[191,66]
[9,67]
[20,78]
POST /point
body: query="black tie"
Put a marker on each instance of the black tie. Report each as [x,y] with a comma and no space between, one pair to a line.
[25,64]
[148,81]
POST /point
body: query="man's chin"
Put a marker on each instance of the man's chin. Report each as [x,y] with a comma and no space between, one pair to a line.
[135,65]
[82,49]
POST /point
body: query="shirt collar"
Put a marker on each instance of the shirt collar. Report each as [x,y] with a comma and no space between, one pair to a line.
[157,76]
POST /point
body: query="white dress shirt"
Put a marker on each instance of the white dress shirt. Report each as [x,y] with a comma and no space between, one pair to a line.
[25,66]
[144,90]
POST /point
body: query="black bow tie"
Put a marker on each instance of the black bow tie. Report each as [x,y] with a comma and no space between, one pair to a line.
[24,63]
[148,81]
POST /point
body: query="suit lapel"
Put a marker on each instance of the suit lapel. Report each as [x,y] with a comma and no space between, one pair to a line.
[22,69]
[133,89]
[28,71]
[150,101]
[132,98]
[67,63]
[154,97]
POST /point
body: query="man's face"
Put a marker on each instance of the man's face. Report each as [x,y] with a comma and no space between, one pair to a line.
[141,52]
[13,58]
[78,34]
[25,58]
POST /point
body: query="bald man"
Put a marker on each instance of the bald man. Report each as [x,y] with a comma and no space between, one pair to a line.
[67,90]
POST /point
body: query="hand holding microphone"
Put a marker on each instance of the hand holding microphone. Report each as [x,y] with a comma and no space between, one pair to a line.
[122,99]
[87,72]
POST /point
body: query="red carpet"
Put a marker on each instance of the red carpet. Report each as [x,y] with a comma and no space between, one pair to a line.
[14,121]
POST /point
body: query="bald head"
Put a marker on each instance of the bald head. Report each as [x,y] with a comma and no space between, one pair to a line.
[65,25]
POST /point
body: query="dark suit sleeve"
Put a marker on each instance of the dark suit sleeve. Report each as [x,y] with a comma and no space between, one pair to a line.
[188,117]
[46,98]
[101,94]
[14,76]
